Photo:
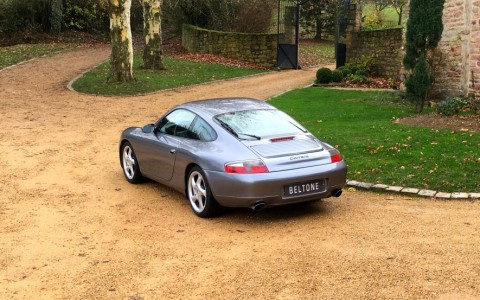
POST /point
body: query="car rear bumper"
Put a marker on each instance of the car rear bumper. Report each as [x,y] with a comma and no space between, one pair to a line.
[246,190]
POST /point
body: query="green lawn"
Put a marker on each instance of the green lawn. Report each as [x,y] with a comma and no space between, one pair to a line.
[389,16]
[14,54]
[178,72]
[377,150]
[316,53]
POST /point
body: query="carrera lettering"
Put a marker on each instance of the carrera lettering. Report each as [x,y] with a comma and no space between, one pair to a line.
[299,157]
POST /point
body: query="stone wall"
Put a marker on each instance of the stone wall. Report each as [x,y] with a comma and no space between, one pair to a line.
[255,48]
[458,71]
[383,45]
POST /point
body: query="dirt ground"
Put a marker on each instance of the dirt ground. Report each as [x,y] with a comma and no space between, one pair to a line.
[464,123]
[71,226]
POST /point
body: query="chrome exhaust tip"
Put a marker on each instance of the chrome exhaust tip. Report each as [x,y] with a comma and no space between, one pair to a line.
[337,193]
[259,206]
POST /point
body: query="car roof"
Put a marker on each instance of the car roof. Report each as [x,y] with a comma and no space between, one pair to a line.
[225,105]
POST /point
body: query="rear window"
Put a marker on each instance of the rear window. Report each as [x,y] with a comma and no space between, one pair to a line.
[260,123]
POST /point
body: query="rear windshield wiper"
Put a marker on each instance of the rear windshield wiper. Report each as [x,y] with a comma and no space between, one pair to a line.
[237,134]
[228,128]
[299,127]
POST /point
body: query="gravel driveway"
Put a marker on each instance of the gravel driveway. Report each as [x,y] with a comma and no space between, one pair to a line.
[71,227]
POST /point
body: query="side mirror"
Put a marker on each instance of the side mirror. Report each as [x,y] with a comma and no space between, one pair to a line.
[148,128]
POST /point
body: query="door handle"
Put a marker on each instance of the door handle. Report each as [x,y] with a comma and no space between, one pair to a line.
[172,151]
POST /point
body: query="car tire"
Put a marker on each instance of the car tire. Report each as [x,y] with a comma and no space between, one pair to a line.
[129,163]
[200,196]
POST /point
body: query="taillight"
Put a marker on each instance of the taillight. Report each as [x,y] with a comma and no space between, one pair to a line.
[336,157]
[246,167]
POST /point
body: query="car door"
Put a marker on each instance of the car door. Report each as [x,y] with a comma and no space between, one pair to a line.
[163,148]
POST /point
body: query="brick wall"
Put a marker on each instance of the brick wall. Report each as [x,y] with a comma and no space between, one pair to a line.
[452,60]
[474,49]
[458,60]
[457,67]
[256,48]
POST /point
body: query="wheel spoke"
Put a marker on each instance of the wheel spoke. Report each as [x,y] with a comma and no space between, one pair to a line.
[201,203]
[202,191]
[193,183]
[194,198]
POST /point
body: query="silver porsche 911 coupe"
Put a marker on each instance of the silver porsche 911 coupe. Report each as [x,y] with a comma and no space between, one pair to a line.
[232,152]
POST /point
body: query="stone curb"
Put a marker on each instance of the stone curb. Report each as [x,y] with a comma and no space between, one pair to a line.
[413,191]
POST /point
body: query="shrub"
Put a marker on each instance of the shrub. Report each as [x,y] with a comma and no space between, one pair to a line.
[452,105]
[354,78]
[88,15]
[324,75]
[361,72]
[253,16]
[418,83]
[353,69]
[475,106]
[19,16]
[337,76]
[345,71]
[424,31]
[364,63]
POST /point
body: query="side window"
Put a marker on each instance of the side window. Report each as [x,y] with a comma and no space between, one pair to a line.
[200,130]
[177,123]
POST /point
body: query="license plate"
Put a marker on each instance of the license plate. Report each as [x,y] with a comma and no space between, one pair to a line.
[304,188]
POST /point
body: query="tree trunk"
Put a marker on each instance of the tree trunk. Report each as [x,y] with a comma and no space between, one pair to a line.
[400,15]
[152,32]
[419,105]
[121,60]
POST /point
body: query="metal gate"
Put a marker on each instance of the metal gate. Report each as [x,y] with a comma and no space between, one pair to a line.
[341,32]
[288,33]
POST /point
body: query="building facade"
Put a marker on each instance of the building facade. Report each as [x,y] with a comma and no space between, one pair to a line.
[457,59]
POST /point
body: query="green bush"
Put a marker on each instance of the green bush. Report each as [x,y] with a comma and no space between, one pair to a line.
[345,71]
[252,16]
[353,69]
[354,78]
[364,63]
[324,75]
[19,16]
[87,15]
[452,105]
[361,72]
[337,76]
[418,84]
